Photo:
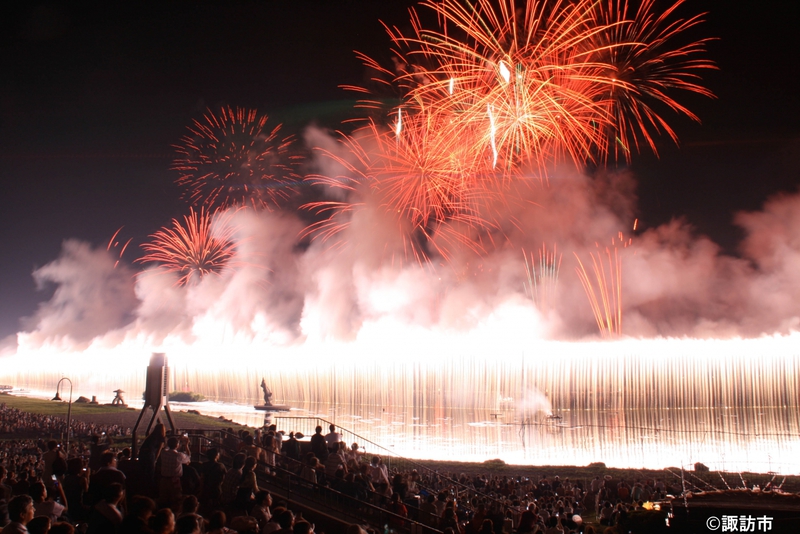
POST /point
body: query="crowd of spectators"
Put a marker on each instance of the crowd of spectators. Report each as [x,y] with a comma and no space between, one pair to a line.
[166,489]
[15,423]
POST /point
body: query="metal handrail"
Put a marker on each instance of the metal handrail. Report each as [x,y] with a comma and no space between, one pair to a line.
[388,455]
[304,492]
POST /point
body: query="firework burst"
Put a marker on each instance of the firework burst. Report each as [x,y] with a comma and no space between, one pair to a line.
[192,249]
[528,83]
[232,158]
[643,66]
[500,88]
[414,176]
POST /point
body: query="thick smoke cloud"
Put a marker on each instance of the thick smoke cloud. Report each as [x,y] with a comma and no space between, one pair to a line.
[91,299]
[281,289]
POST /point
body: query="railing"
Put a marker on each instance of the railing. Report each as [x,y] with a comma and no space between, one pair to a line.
[286,483]
[391,459]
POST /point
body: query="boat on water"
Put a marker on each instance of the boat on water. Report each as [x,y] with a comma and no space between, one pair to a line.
[268,406]
[6,388]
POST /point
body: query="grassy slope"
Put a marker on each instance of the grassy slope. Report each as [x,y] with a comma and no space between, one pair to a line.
[105,414]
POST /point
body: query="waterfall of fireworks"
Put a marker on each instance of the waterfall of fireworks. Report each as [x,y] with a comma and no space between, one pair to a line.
[542,287]
[604,291]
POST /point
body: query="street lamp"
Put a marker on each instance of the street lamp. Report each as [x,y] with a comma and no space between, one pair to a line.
[69,408]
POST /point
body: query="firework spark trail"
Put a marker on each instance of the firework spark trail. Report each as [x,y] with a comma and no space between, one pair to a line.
[604,291]
[193,249]
[113,243]
[231,158]
[542,288]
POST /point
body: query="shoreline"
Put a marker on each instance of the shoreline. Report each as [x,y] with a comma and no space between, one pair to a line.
[110,415]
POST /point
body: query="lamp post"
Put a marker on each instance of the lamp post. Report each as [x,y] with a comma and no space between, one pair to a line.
[69,409]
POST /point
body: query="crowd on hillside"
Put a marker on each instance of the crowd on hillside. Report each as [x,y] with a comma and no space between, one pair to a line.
[167,490]
[16,423]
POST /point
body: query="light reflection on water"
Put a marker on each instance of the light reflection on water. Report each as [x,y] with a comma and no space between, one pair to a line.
[731,405]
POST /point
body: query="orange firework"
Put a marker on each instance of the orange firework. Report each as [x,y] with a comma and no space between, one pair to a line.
[502,87]
[517,77]
[193,249]
[414,175]
[113,243]
[533,81]
[643,65]
[604,291]
[233,159]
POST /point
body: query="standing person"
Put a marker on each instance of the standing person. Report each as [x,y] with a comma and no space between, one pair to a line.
[174,457]
[105,476]
[291,449]
[20,512]
[379,475]
[52,457]
[76,485]
[318,444]
[332,439]
[231,481]
[151,450]
[96,450]
[213,475]
[248,479]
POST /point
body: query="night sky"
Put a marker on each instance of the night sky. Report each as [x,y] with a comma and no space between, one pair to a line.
[92,96]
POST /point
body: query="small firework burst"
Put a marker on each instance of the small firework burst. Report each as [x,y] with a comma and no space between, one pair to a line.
[233,159]
[192,249]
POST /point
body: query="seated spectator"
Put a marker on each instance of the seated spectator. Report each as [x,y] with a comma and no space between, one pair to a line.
[189,506]
[188,524]
[20,512]
[106,516]
[44,507]
[261,510]
[62,527]
[216,524]
[139,513]
[163,522]
[39,525]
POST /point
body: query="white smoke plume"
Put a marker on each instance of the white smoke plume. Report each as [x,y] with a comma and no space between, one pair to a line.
[282,291]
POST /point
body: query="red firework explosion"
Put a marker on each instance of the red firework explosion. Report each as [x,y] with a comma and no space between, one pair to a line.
[232,158]
[193,249]
[501,87]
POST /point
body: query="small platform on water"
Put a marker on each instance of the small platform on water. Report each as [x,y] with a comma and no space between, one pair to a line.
[273,408]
